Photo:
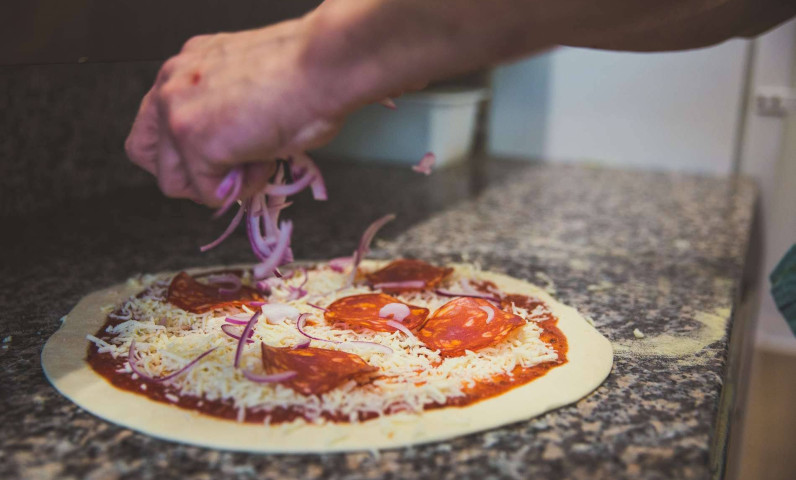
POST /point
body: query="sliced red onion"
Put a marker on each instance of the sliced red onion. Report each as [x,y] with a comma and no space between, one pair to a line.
[318,307]
[304,344]
[256,304]
[473,294]
[278,312]
[236,321]
[235,177]
[404,284]
[227,328]
[230,279]
[364,242]
[269,242]
[490,313]
[247,331]
[301,321]
[302,164]
[389,103]
[230,228]
[425,164]
[273,378]
[398,311]
[225,187]
[257,241]
[339,264]
[132,359]
[268,266]
[290,188]
[402,328]
[266,286]
[298,292]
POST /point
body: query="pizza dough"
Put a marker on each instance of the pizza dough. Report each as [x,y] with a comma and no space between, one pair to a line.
[589,362]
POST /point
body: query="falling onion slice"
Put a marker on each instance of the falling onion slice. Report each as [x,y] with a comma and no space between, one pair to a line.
[425,164]
[132,360]
[364,242]
[267,268]
[229,189]
[230,228]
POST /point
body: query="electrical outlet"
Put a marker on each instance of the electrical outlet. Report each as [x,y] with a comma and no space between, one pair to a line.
[775,101]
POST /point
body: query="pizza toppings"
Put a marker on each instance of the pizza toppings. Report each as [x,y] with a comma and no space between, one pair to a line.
[317,370]
[364,243]
[277,312]
[461,325]
[133,359]
[246,334]
[528,303]
[274,378]
[490,313]
[424,275]
[359,328]
[398,311]
[364,311]
[195,297]
[301,324]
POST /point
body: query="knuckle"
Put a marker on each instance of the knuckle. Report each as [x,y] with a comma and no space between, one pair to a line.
[195,42]
[168,69]
[180,123]
[169,91]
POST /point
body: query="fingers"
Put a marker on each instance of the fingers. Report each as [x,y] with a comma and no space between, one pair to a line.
[142,143]
[173,178]
[256,175]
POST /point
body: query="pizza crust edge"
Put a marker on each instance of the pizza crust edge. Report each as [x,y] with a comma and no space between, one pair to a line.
[589,361]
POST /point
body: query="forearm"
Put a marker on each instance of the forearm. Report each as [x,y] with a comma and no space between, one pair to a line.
[382,46]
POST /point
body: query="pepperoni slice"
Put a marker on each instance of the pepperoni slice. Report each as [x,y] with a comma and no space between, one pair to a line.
[461,324]
[188,294]
[317,370]
[405,270]
[363,311]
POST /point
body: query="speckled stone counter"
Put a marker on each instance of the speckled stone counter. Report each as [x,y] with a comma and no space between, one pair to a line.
[660,253]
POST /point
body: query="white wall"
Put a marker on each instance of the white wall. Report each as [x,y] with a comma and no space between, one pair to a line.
[654,110]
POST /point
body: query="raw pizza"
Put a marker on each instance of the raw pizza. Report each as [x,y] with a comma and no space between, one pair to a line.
[327,357]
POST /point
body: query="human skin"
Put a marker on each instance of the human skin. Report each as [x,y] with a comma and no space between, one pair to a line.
[244,98]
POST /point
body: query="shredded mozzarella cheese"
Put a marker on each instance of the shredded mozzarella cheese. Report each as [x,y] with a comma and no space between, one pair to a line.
[411,378]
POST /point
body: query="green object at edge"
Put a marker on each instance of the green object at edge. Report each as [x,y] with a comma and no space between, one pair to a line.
[783,287]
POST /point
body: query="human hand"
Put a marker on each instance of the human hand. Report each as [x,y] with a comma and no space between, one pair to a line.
[228,100]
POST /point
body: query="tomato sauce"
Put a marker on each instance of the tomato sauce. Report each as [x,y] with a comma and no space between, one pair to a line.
[112,370]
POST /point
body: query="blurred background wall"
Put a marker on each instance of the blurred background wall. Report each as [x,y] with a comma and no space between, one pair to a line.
[711,111]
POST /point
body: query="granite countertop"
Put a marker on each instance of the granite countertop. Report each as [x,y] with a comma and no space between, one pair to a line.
[662,253]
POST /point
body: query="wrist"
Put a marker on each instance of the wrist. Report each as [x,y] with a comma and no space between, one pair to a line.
[346,69]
